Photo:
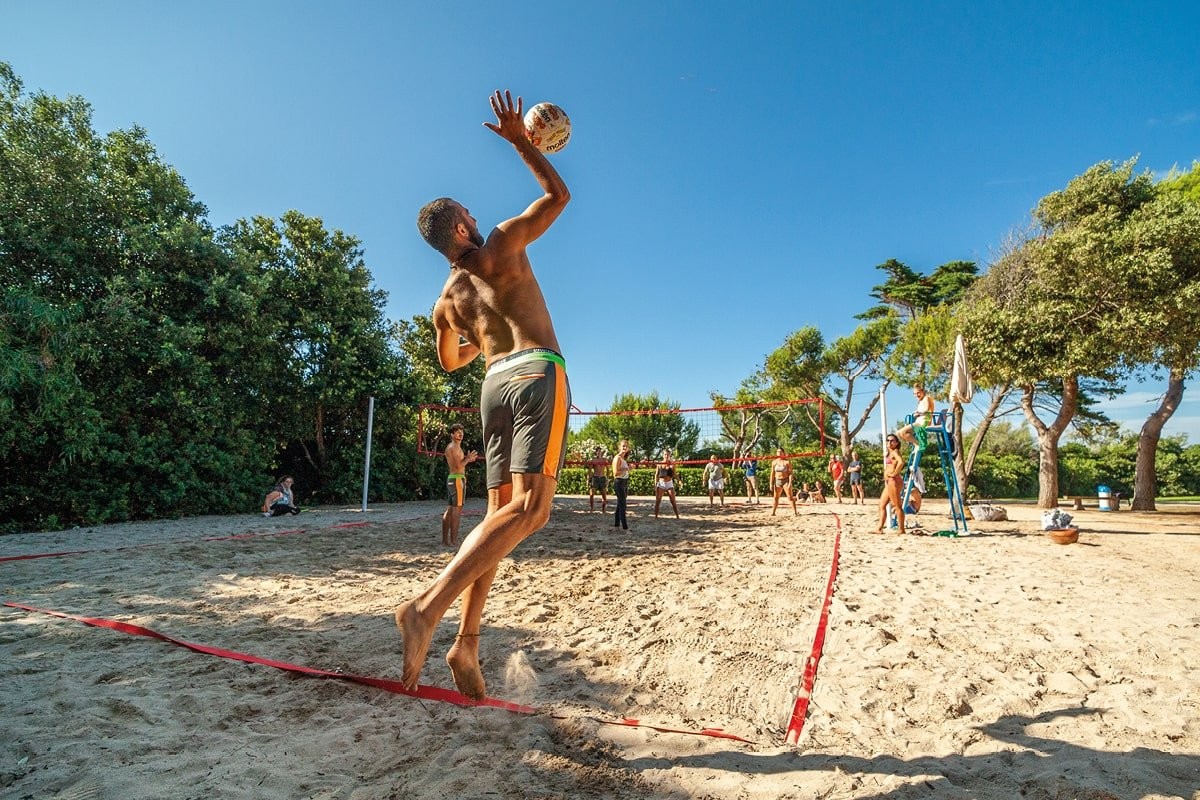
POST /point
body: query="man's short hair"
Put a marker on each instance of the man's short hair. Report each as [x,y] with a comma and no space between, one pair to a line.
[457,427]
[436,221]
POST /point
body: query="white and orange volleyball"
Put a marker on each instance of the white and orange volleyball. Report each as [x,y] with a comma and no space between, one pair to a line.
[548,127]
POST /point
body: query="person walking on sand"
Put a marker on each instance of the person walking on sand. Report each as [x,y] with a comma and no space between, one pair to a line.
[750,465]
[781,481]
[837,471]
[893,485]
[492,305]
[664,483]
[620,468]
[456,484]
[714,479]
[598,481]
[854,470]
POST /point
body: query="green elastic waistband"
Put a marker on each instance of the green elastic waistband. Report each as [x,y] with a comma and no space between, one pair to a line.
[526,356]
[454,475]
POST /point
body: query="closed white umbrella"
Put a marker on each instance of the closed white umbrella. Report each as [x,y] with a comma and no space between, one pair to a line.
[961,387]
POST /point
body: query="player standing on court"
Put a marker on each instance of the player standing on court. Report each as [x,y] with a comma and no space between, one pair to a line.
[456,484]
[492,304]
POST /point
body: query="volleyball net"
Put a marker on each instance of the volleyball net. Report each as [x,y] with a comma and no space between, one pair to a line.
[692,435]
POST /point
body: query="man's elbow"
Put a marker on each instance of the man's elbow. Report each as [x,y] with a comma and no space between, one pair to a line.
[560,196]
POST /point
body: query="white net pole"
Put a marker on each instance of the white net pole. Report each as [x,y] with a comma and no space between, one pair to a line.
[367,460]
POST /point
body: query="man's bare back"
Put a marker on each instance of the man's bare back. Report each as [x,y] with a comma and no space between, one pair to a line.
[493,300]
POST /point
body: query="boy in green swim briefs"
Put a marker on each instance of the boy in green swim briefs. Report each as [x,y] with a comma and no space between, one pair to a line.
[456,484]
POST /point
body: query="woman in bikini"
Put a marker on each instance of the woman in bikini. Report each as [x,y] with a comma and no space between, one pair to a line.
[893,484]
[781,481]
[664,483]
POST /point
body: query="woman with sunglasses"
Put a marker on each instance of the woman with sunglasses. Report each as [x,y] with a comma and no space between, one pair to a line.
[893,484]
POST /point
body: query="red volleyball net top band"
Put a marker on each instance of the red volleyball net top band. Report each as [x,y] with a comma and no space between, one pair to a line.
[734,433]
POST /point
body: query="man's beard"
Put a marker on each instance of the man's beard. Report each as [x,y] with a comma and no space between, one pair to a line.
[477,238]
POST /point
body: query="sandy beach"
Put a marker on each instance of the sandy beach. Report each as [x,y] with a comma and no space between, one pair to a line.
[999,665]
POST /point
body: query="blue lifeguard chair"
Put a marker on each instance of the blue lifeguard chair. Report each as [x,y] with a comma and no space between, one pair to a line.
[940,435]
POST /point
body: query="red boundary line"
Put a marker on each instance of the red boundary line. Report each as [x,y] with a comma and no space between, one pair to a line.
[800,710]
[183,541]
[394,686]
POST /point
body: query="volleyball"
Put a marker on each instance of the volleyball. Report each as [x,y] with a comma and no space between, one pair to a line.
[548,127]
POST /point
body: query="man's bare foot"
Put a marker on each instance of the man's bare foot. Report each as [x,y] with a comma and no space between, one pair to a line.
[463,660]
[417,634]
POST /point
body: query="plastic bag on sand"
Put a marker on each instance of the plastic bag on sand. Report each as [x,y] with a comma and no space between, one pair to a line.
[989,513]
[1055,519]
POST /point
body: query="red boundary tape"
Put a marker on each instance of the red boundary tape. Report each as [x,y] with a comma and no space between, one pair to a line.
[795,723]
[800,711]
[422,692]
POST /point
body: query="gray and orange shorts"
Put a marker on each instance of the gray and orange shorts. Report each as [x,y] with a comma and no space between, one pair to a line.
[456,489]
[524,404]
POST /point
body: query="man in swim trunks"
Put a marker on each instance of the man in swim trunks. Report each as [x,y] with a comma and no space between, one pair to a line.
[598,481]
[456,484]
[492,305]
[714,478]
[854,470]
[914,434]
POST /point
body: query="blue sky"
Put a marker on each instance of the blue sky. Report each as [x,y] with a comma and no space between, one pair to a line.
[737,169]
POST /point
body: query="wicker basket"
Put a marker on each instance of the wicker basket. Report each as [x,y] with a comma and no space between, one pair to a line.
[1064,535]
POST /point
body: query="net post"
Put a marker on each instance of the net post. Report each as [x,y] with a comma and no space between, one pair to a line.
[367,460]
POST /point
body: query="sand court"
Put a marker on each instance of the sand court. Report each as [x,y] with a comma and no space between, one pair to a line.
[987,666]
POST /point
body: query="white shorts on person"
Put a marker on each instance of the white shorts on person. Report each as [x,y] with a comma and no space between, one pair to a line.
[665,485]
[716,484]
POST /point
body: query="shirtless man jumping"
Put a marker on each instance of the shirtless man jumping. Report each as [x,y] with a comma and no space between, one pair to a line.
[492,304]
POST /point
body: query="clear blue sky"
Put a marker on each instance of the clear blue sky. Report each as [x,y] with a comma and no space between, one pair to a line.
[737,169]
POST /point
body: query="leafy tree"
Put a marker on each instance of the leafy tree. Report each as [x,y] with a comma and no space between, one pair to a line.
[1051,309]
[804,366]
[328,341]
[642,422]
[1163,244]
[114,265]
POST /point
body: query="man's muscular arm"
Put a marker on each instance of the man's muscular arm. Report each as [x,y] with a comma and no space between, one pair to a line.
[453,350]
[516,233]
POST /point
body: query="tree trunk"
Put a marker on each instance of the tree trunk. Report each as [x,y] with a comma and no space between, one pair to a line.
[981,430]
[1145,481]
[321,436]
[1048,436]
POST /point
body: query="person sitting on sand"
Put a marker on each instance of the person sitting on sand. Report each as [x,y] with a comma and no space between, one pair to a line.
[818,493]
[916,492]
[664,483]
[279,500]
[781,481]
